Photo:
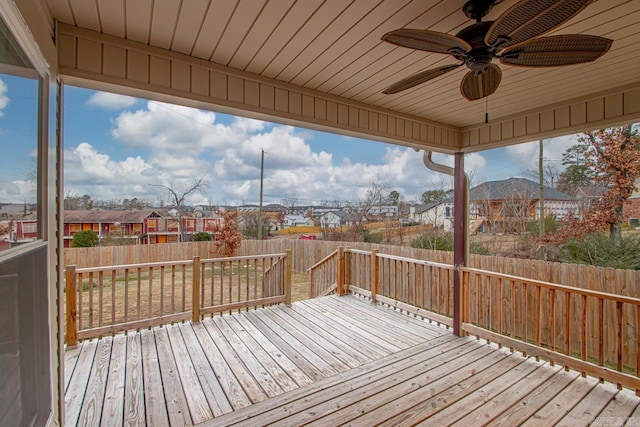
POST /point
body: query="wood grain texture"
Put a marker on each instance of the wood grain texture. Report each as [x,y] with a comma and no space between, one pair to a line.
[288,366]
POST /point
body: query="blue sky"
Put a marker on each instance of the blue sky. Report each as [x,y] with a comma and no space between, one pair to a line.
[118,147]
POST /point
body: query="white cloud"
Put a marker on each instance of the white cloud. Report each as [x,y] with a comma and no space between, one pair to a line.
[111,101]
[4,98]
[525,156]
[178,143]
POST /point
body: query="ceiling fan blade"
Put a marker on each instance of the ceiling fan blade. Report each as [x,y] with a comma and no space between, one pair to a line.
[531,18]
[430,41]
[419,78]
[478,86]
[555,51]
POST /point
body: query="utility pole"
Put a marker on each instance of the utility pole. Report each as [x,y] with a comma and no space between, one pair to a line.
[261,188]
[543,253]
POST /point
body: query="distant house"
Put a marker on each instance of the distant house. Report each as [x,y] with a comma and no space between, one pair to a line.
[500,206]
[432,213]
[130,223]
[297,221]
[383,210]
[509,205]
[143,226]
[337,219]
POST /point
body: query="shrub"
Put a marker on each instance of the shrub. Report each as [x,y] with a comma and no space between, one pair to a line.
[371,237]
[84,239]
[602,251]
[202,236]
[443,241]
[550,226]
[434,240]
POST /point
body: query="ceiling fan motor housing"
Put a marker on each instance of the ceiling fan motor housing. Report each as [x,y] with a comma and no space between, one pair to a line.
[479,57]
[477,9]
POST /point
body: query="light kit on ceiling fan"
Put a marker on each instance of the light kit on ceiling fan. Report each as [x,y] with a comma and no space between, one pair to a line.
[511,39]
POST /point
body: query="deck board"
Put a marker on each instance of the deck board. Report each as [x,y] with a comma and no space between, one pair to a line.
[174,393]
[113,407]
[94,396]
[134,414]
[328,361]
[155,405]
[213,392]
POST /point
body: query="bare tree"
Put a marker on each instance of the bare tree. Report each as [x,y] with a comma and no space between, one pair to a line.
[518,209]
[360,209]
[177,195]
[551,173]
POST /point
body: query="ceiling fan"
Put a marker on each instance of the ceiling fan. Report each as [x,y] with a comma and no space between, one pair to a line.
[510,39]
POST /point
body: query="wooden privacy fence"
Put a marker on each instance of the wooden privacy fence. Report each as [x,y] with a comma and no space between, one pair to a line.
[594,332]
[306,253]
[107,300]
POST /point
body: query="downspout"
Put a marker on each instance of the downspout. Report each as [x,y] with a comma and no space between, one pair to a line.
[448,170]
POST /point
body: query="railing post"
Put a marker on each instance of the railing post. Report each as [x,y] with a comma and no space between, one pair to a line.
[195,298]
[375,277]
[312,285]
[287,277]
[340,280]
[72,313]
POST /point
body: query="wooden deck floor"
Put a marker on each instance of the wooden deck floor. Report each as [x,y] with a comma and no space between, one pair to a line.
[328,361]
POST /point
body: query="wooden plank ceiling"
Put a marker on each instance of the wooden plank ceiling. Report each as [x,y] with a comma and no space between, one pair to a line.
[334,47]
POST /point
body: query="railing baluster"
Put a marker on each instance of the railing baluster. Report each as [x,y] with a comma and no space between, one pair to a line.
[538,317]
[173,288]
[239,283]
[150,303]
[525,312]
[247,268]
[567,323]
[601,331]
[203,271]
[162,269]
[91,300]
[184,287]
[139,281]
[583,334]
[100,296]
[222,276]
[126,294]
[195,289]
[619,337]
[552,320]
[512,307]
[113,296]
[500,307]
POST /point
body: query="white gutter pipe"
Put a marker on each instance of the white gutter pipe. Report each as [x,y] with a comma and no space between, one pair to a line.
[448,170]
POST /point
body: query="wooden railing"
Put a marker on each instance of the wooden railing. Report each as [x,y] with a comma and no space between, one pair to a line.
[323,275]
[106,300]
[594,332]
[417,286]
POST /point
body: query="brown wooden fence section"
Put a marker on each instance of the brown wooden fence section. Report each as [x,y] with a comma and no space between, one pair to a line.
[110,299]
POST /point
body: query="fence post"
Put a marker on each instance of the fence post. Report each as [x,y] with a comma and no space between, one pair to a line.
[375,279]
[287,277]
[195,299]
[340,282]
[72,313]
